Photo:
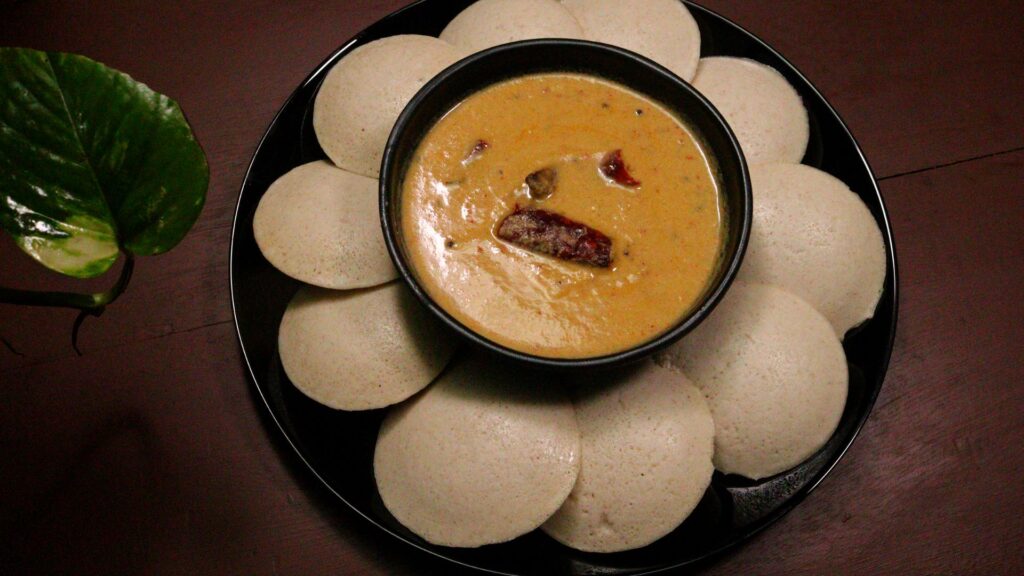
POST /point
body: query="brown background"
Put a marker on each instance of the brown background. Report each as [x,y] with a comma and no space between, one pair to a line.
[148,454]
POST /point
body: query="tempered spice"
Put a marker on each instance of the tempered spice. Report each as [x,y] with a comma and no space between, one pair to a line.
[555,235]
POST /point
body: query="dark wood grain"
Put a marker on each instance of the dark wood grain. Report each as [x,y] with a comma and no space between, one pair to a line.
[918,83]
[149,453]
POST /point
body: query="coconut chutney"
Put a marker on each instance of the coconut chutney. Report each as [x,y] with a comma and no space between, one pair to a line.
[563,216]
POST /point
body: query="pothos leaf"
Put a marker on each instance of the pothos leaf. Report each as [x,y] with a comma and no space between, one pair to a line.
[92,162]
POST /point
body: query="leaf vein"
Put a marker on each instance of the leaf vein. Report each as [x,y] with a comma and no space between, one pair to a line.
[78,139]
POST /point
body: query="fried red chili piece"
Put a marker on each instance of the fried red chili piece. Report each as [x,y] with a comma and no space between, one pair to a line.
[613,167]
[478,148]
[555,235]
[542,183]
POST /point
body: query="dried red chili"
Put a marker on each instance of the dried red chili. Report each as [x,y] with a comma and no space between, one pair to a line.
[555,235]
[613,167]
[478,148]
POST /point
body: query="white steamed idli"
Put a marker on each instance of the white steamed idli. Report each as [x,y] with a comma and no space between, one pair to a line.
[484,455]
[364,93]
[320,224]
[662,30]
[360,350]
[774,375]
[488,23]
[814,237]
[647,441]
[763,110]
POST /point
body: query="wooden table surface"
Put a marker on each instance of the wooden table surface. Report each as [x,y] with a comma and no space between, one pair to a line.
[149,454]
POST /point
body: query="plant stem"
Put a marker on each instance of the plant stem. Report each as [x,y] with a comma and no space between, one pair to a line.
[84,302]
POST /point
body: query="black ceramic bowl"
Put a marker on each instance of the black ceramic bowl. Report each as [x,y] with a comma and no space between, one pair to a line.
[483,69]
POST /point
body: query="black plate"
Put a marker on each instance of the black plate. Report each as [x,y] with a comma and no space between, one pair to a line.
[338,446]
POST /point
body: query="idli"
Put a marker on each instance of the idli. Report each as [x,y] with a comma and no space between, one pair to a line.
[662,30]
[359,350]
[484,455]
[364,93]
[774,375]
[647,441]
[763,110]
[488,23]
[814,237]
[320,224]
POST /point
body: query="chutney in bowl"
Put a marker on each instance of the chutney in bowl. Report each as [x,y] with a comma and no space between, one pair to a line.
[564,202]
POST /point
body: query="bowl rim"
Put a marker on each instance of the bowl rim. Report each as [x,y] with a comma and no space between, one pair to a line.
[710,297]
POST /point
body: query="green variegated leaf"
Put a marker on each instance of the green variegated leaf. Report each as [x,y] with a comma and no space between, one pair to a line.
[92,163]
